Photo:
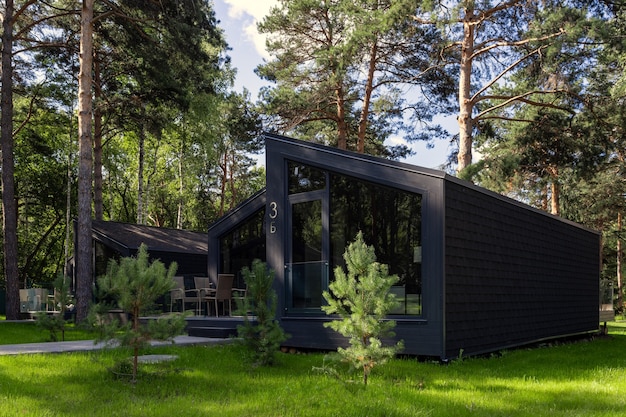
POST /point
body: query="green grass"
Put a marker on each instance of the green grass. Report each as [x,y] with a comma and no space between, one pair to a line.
[29,332]
[586,378]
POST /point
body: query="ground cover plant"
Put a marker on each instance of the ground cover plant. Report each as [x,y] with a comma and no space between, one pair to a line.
[586,378]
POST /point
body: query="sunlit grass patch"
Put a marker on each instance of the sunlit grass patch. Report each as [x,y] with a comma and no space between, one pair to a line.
[582,378]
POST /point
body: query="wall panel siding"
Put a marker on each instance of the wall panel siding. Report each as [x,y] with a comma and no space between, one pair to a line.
[514,275]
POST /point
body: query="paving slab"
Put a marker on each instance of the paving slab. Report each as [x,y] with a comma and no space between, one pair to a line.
[156,358]
[89,345]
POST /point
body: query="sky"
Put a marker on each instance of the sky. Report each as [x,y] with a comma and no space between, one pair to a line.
[238,19]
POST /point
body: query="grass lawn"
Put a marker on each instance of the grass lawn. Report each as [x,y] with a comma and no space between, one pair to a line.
[586,378]
[29,332]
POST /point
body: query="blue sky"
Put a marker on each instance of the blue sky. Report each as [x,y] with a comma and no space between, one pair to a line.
[238,19]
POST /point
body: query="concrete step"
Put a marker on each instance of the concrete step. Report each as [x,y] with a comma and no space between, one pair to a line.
[212,331]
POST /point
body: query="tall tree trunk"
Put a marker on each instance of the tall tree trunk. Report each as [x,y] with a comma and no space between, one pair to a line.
[231,180]
[147,197]
[342,126]
[555,192]
[9,205]
[369,88]
[84,252]
[620,296]
[68,210]
[181,188]
[465,100]
[97,144]
[224,166]
[140,172]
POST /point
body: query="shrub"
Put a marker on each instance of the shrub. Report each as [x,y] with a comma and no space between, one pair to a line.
[55,323]
[264,337]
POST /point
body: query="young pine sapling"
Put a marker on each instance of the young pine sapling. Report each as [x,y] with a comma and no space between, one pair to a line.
[264,337]
[135,284]
[362,299]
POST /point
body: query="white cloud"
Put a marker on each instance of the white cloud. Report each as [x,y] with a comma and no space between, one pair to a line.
[250,13]
[257,8]
[395,140]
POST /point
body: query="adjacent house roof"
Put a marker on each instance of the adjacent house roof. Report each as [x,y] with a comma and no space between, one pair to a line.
[126,238]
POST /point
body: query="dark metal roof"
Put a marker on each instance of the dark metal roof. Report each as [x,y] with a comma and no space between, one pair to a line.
[304,146]
[374,160]
[126,237]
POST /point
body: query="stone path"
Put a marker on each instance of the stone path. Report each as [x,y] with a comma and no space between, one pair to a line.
[88,345]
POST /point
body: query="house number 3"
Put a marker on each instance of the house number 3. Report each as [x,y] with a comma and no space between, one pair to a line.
[273,214]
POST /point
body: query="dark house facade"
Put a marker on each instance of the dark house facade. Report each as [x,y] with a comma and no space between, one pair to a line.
[114,240]
[478,272]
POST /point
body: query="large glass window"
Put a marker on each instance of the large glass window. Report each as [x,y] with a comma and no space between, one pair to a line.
[303,178]
[389,218]
[307,274]
[240,246]
[306,231]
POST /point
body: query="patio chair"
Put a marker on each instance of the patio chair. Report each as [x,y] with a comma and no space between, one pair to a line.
[204,286]
[224,293]
[53,304]
[184,295]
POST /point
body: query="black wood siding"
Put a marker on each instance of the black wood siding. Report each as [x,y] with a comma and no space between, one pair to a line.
[421,335]
[514,275]
[188,264]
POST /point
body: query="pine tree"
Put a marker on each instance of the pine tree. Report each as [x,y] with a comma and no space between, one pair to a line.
[362,299]
[135,284]
[340,69]
[264,337]
[55,323]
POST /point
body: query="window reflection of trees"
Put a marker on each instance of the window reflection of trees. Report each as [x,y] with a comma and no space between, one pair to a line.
[390,219]
[303,178]
[307,231]
[241,245]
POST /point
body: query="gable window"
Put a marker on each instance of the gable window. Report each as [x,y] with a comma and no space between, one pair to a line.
[327,210]
[241,245]
[390,220]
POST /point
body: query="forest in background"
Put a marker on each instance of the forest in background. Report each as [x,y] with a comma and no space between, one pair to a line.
[538,90]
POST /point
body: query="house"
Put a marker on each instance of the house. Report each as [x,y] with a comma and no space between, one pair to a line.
[479,272]
[114,240]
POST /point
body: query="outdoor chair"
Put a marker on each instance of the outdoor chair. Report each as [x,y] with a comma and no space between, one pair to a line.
[223,293]
[204,287]
[179,293]
[53,303]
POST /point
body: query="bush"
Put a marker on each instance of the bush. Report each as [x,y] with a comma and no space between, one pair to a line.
[55,323]
[263,338]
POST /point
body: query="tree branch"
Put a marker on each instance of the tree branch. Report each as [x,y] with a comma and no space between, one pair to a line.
[522,98]
[25,29]
[475,98]
[21,11]
[31,107]
[484,49]
[503,6]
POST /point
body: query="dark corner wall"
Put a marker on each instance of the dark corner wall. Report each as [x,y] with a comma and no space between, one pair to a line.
[514,275]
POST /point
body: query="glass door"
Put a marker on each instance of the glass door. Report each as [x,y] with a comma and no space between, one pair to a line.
[307,273]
